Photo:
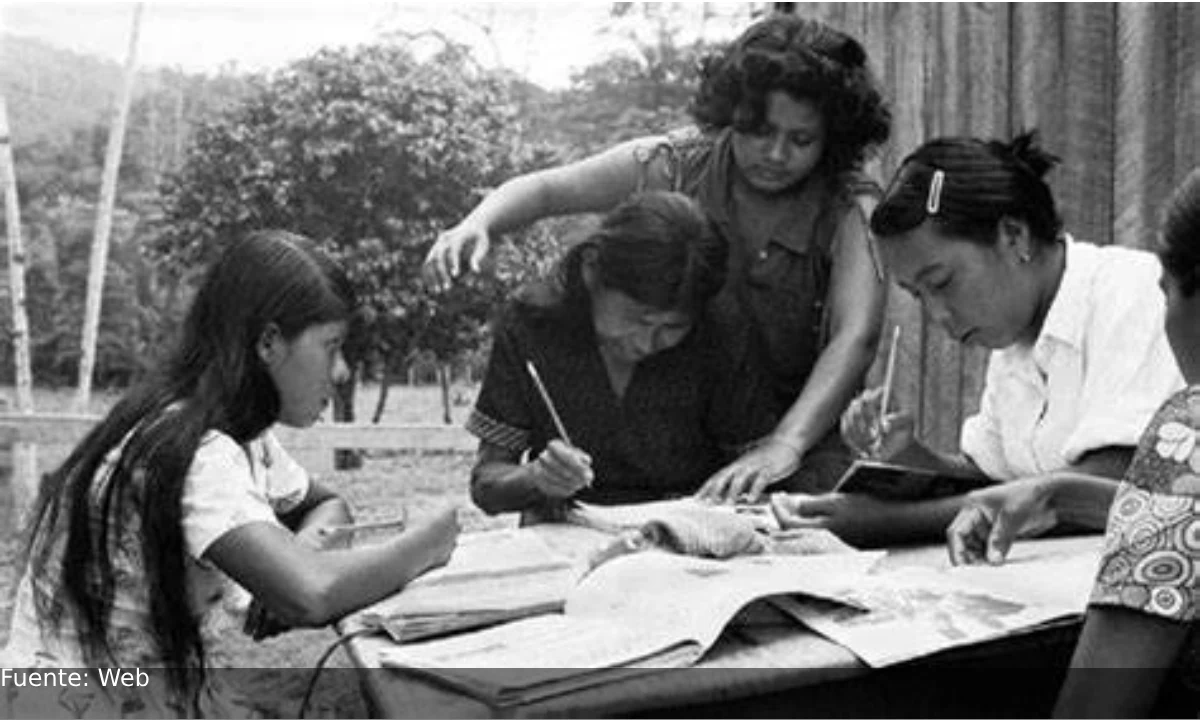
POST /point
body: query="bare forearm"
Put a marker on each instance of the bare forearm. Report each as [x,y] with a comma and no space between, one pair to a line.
[838,374]
[302,585]
[498,487]
[1142,645]
[911,522]
[1081,499]
[364,575]
[514,205]
[594,184]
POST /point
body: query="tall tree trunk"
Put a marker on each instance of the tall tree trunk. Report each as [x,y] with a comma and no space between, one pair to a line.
[24,455]
[343,412]
[104,213]
[16,267]
[385,382]
[443,371]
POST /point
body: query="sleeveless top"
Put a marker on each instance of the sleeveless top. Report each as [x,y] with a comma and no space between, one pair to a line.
[774,303]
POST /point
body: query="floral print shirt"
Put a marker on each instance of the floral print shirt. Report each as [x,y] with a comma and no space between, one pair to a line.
[1152,546]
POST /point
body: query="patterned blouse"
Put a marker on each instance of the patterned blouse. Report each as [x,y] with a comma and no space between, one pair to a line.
[1152,546]
[228,486]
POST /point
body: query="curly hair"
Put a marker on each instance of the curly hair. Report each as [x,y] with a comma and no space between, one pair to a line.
[808,60]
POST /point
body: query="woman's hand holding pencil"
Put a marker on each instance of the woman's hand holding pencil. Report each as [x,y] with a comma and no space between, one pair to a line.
[562,469]
[870,426]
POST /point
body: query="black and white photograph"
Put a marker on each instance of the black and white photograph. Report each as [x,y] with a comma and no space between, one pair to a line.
[463,359]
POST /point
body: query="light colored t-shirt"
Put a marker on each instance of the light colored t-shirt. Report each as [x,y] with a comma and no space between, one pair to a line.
[1094,377]
[228,485]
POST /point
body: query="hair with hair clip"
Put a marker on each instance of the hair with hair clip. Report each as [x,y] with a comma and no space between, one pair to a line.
[809,61]
[976,183]
[1179,242]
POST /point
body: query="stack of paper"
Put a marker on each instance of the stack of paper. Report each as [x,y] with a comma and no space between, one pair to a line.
[492,577]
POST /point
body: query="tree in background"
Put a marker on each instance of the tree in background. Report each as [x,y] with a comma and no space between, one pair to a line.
[371,152]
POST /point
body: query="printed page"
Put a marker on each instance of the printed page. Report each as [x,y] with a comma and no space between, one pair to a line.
[649,610]
[912,612]
[696,597]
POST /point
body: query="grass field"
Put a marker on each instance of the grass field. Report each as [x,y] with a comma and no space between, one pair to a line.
[384,485]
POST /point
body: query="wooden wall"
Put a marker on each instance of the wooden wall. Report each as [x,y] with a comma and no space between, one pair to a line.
[1113,88]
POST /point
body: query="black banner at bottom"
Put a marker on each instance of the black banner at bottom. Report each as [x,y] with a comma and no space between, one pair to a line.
[906,691]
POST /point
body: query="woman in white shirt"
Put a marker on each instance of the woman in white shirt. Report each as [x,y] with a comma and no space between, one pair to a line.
[1079,364]
[182,486]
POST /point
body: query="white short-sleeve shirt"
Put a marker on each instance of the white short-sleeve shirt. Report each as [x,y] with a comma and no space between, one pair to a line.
[228,486]
[1094,377]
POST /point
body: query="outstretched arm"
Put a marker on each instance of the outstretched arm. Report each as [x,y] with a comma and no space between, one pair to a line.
[302,585]
[594,184]
[857,295]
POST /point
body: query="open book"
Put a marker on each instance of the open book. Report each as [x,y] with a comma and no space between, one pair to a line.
[492,577]
[635,614]
[888,481]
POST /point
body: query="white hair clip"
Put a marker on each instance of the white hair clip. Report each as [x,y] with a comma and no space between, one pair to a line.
[934,200]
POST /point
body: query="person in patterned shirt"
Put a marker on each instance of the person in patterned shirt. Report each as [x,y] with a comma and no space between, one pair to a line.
[1145,602]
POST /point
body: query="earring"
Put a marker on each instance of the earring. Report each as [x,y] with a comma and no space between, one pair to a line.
[1024,257]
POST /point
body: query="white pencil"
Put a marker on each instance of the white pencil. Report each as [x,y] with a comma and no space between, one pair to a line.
[889,373]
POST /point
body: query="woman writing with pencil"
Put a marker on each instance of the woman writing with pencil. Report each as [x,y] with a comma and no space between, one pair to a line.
[607,377]
[1079,358]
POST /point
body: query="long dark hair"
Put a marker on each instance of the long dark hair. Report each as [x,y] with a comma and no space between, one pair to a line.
[808,60]
[1179,244]
[213,380]
[659,248]
[981,182]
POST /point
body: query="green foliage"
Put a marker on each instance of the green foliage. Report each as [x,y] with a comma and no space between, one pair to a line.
[370,152]
[59,104]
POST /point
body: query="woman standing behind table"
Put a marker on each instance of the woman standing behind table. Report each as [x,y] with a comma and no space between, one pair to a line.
[620,339]
[1079,363]
[784,118]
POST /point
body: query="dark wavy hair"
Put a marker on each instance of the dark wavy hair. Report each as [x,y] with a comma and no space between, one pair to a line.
[982,182]
[213,380]
[808,60]
[659,248]
[1179,243]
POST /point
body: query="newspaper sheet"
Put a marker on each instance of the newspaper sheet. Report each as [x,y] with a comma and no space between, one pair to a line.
[912,612]
[644,611]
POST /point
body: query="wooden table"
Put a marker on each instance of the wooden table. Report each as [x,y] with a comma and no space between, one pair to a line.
[780,670]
